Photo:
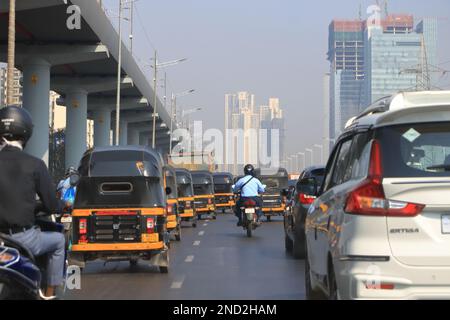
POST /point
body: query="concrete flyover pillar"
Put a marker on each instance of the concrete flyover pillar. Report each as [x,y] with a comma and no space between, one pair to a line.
[133,137]
[76,127]
[36,97]
[102,127]
[123,138]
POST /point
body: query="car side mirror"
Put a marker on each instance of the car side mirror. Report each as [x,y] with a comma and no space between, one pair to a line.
[168,190]
[74,179]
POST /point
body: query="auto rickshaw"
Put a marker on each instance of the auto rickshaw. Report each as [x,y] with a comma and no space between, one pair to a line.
[277,184]
[204,193]
[173,219]
[120,208]
[223,191]
[185,189]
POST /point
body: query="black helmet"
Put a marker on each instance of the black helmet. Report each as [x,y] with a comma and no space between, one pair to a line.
[249,169]
[15,123]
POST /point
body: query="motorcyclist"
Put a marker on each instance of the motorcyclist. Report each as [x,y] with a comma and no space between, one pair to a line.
[22,177]
[64,184]
[249,187]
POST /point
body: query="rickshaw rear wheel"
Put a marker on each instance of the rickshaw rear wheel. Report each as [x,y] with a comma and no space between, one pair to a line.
[194,224]
[163,269]
[134,262]
[178,234]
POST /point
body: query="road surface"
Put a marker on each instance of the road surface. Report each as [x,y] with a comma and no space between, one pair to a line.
[213,261]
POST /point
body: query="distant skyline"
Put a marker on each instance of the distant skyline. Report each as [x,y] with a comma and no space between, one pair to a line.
[269,48]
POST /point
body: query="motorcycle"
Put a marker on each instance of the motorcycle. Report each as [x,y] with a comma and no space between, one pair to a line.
[21,273]
[249,212]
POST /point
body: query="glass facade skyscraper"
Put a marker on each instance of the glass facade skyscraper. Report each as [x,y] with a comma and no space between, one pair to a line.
[397,60]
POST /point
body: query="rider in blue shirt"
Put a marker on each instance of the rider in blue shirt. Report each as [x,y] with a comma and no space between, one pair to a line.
[250,188]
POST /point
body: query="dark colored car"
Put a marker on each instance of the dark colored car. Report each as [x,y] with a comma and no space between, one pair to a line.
[294,221]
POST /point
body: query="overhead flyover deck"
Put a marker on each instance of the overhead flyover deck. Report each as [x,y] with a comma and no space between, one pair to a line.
[81,65]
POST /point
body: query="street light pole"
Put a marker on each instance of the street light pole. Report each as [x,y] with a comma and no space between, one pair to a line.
[155,100]
[312,156]
[304,161]
[119,75]
[319,146]
[172,108]
[131,27]
[11,51]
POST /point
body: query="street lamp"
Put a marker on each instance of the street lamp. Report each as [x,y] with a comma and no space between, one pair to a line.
[304,161]
[155,67]
[321,151]
[184,113]
[119,67]
[312,157]
[173,110]
[295,166]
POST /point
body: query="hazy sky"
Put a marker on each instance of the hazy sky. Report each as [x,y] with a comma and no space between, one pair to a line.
[272,48]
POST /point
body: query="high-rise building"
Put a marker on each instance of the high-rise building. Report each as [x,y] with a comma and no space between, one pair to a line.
[327,142]
[398,56]
[242,114]
[17,89]
[346,56]
[369,61]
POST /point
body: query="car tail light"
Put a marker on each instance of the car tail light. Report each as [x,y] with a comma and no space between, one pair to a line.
[369,197]
[379,286]
[150,225]
[82,226]
[306,199]
[169,209]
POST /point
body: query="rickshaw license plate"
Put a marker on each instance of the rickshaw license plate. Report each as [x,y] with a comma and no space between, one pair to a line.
[250,210]
[153,237]
[66,219]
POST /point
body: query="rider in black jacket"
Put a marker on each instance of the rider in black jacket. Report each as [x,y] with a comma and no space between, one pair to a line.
[22,177]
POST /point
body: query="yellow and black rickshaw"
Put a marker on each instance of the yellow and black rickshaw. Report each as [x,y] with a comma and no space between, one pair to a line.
[277,184]
[185,189]
[173,219]
[223,191]
[120,208]
[204,193]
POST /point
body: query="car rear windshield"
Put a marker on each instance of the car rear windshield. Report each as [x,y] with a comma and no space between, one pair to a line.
[202,184]
[416,150]
[123,164]
[275,183]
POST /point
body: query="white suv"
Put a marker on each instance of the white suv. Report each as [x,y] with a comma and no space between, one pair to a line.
[380,227]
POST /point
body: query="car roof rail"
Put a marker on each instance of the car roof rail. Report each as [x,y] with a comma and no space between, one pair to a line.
[381,105]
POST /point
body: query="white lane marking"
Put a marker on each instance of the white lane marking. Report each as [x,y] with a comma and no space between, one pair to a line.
[196,243]
[201,233]
[177,284]
[189,259]
[205,224]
